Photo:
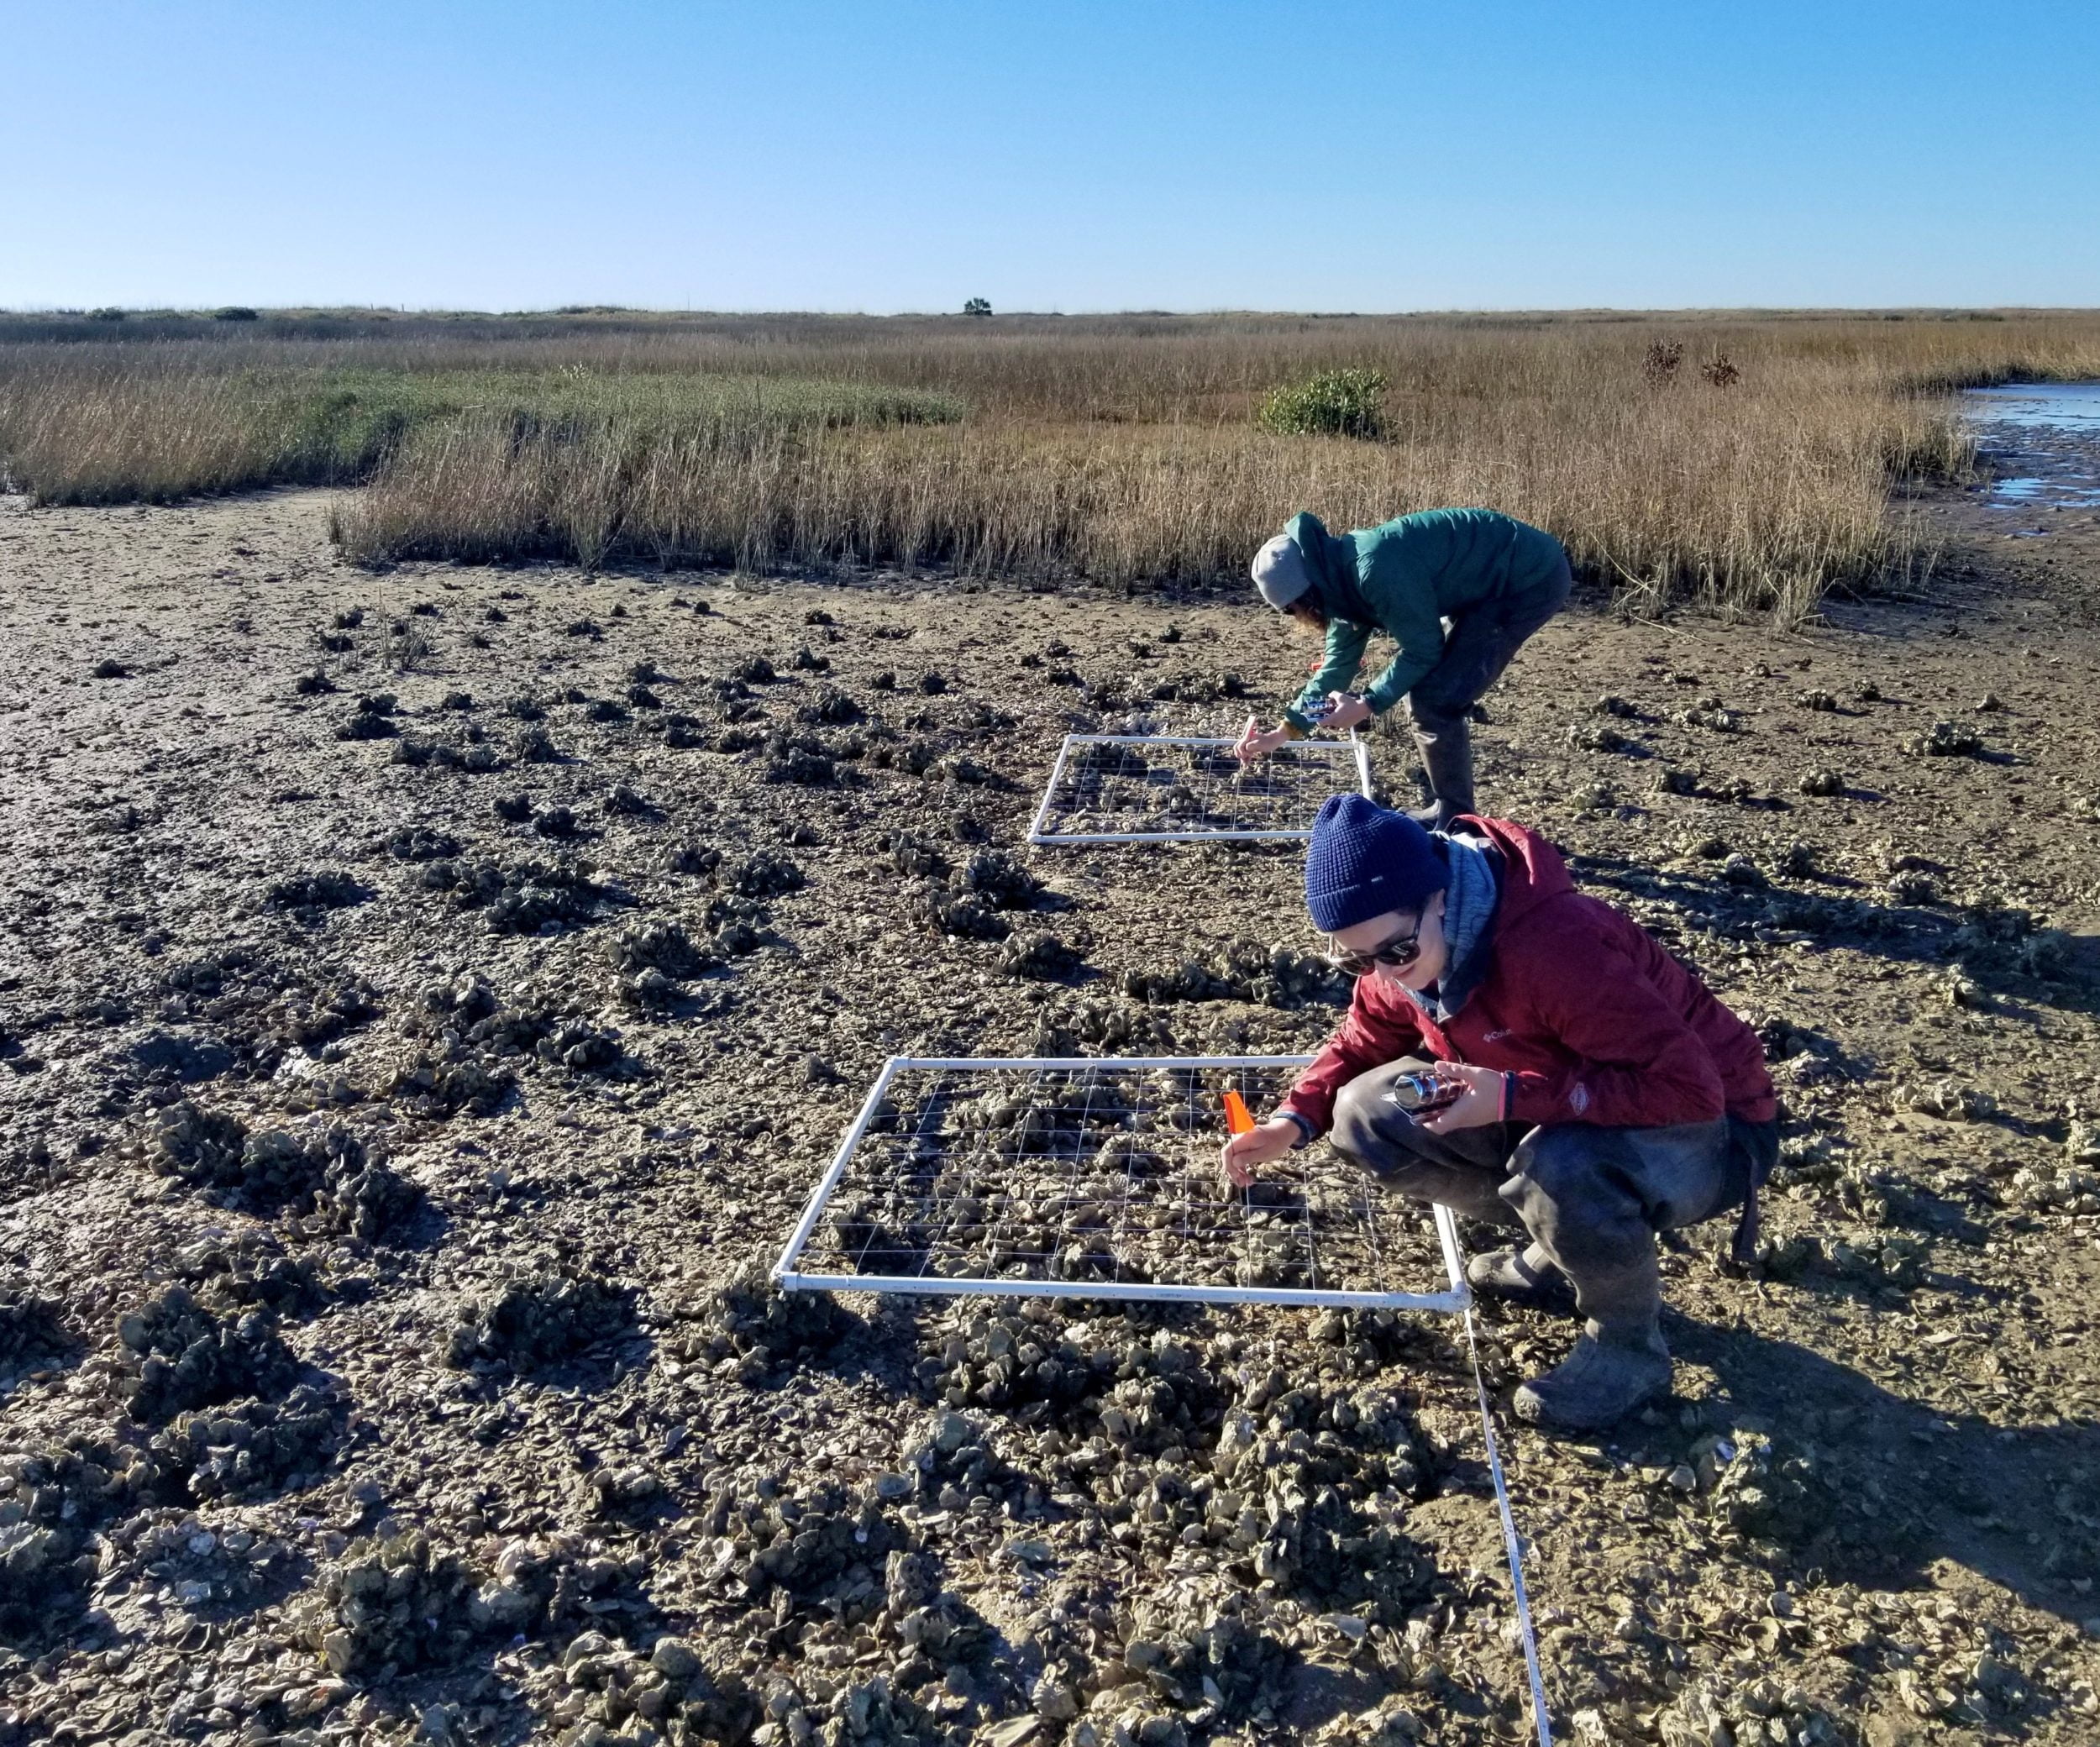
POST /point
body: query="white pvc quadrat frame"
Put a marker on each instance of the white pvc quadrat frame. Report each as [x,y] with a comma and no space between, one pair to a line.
[1457,1299]
[1354,745]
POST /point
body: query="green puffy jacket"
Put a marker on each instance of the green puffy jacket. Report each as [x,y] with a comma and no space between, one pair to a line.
[1405,577]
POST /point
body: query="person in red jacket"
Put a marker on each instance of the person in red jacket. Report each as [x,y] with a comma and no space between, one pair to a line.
[1589,1088]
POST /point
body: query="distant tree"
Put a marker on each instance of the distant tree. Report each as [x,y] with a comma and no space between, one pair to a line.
[110,314]
[234,312]
[977,307]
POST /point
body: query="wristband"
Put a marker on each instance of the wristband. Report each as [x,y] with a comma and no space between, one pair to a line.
[1509,1093]
[1306,1135]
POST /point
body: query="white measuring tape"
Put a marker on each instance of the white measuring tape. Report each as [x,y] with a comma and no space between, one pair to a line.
[1513,1545]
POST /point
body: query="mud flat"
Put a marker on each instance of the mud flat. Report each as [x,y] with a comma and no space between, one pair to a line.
[426,997]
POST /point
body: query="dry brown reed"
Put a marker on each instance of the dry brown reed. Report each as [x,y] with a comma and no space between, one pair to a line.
[105,430]
[1121,449]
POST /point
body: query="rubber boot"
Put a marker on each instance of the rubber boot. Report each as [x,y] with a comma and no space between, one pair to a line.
[1524,1277]
[1447,762]
[1619,1363]
[1615,1369]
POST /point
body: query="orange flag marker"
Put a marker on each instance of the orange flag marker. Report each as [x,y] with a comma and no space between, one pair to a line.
[1237,1120]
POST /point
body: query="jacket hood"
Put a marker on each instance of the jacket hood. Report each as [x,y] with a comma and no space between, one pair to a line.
[1533,873]
[1331,561]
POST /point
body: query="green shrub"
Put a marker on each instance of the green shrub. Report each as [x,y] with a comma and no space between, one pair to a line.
[111,314]
[1335,403]
[235,313]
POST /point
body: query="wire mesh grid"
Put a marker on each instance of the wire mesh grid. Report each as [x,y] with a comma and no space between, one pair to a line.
[1099,1178]
[1135,789]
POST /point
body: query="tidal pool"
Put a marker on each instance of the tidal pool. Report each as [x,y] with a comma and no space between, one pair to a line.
[2042,441]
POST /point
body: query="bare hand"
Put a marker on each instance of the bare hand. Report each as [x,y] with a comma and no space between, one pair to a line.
[1254,744]
[1345,709]
[1258,1145]
[1477,1105]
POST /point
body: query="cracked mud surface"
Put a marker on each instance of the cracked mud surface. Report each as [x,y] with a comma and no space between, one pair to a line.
[426,998]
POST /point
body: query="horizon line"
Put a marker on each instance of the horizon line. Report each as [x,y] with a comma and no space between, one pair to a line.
[668,310]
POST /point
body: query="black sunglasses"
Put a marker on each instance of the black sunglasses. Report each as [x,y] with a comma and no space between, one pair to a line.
[1401,951]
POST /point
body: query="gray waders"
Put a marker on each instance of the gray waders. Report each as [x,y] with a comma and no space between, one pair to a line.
[1480,646]
[1590,1199]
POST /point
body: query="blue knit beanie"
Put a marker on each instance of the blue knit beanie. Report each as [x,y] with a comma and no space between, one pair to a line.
[1365,861]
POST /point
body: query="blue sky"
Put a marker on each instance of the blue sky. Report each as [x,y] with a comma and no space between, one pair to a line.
[1127,155]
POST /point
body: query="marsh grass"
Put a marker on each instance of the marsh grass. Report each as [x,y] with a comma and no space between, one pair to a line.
[77,429]
[1126,449]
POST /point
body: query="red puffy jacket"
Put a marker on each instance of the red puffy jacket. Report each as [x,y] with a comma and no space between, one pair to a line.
[1598,1023]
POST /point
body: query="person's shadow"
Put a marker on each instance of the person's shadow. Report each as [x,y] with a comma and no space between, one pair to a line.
[2016,964]
[1903,1484]
[1863,1486]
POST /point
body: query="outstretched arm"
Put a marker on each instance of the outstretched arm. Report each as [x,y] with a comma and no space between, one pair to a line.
[1401,675]
[1369,1037]
[1345,655]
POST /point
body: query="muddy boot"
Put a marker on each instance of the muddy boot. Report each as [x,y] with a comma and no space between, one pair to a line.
[1619,1364]
[1447,762]
[1615,1369]
[1522,1277]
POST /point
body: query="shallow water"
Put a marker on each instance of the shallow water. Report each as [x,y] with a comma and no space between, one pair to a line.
[2042,441]
[2033,490]
[2069,405]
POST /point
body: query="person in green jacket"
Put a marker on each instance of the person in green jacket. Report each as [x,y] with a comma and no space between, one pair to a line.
[1492,579]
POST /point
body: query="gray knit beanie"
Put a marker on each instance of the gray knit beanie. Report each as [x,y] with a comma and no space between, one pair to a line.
[1279,572]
